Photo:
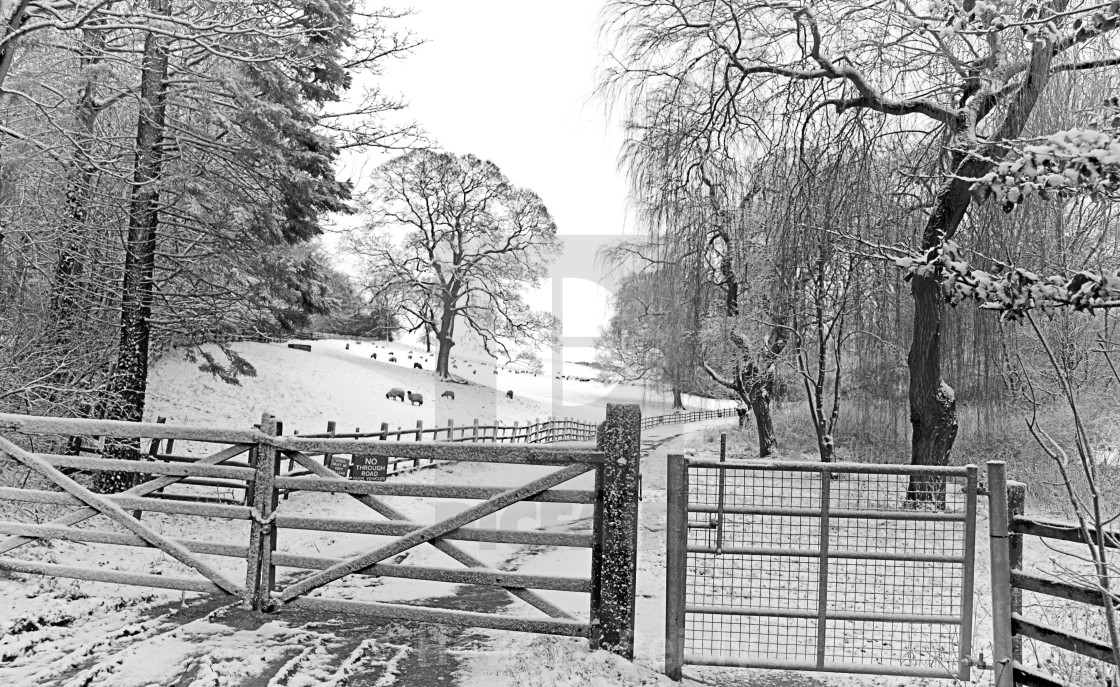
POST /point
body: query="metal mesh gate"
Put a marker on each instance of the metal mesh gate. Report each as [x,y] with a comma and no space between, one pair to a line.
[811,566]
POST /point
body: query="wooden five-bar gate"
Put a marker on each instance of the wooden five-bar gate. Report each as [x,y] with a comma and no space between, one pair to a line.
[256,458]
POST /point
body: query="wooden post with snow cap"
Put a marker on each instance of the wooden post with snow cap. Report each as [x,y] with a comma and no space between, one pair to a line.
[615,553]
[259,572]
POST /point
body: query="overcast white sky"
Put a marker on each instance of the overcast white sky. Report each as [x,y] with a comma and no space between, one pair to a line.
[512,81]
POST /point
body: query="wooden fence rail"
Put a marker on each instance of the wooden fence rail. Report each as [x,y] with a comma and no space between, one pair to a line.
[681,418]
[1009,623]
[613,461]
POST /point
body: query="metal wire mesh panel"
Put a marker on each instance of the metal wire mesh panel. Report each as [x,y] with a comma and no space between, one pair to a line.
[838,567]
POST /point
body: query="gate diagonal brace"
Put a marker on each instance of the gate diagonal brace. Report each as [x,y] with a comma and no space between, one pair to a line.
[431,533]
[112,510]
[148,487]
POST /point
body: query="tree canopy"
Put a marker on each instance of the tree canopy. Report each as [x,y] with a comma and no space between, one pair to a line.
[449,239]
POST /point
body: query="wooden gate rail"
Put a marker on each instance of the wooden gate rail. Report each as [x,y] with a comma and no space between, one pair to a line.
[477,576]
[551,626]
[435,491]
[113,511]
[1009,581]
[126,502]
[33,424]
[398,528]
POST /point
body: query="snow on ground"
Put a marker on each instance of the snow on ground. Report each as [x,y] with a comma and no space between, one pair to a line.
[55,627]
[55,631]
[305,390]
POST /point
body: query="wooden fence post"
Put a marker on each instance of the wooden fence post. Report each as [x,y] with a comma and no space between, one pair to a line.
[1002,653]
[475,429]
[613,587]
[450,430]
[384,431]
[1016,505]
[260,573]
[676,572]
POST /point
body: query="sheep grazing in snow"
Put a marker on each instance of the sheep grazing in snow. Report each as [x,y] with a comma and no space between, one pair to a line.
[509,394]
[392,359]
[417,366]
[395,393]
[448,394]
[415,399]
[373,355]
[348,347]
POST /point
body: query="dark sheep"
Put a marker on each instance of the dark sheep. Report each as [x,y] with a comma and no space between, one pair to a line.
[417,366]
[448,394]
[415,399]
[392,359]
[395,393]
[373,355]
[509,394]
[348,347]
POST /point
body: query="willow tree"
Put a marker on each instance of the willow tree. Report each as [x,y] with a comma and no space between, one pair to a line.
[966,75]
[653,333]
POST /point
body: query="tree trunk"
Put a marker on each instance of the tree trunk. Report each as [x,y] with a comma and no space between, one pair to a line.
[933,406]
[678,402]
[64,301]
[443,358]
[759,395]
[130,382]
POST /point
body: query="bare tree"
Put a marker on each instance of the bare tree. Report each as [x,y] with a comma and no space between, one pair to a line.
[968,77]
[468,244]
[653,334]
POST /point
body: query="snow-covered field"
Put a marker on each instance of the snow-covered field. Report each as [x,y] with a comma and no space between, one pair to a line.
[56,631]
[305,390]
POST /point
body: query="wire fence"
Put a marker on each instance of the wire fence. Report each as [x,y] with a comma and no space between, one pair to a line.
[835,567]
